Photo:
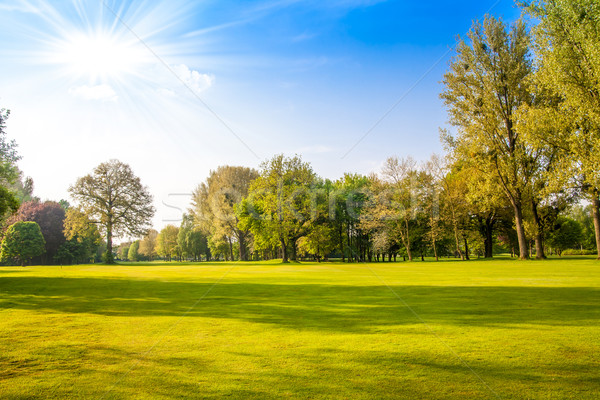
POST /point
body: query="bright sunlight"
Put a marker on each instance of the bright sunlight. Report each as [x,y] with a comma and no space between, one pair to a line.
[99,56]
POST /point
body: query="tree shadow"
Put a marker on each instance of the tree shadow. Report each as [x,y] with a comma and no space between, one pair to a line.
[307,306]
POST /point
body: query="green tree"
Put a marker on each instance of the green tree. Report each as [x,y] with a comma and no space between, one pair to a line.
[214,205]
[190,239]
[83,238]
[280,203]
[8,153]
[9,173]
[567,37]
[22,242]
[133,254]
[148,244]
[567,234]
[166,242]
[123,251]
[486,85]
[115,198]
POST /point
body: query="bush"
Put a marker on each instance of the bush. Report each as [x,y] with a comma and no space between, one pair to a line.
[23,241]
[573,252]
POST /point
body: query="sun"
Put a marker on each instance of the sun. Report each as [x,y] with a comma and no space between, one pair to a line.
[99,56]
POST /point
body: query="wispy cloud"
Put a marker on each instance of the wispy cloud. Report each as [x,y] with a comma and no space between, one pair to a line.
[193,79]
[98,92]
[303,37]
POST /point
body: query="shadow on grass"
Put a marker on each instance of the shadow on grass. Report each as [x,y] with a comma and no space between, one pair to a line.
[307,306]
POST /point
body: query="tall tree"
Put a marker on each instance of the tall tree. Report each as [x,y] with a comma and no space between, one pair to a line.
[115,198]
[23,241]
[190,239]
[148,244]
[567,37]
[214,205]
[133,254]
[279,202]
[82,237]
[8,153]
[166,242]
[9,173]
[484,88]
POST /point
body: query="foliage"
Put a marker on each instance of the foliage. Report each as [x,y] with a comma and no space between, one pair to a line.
[133,254]
[214,205]
[278,207]
[22,241]
[190,239]
[8,153]
[50,217]
[148,244]
[486,85]
[83,238]
[114,197]
[166,242]
[567,234]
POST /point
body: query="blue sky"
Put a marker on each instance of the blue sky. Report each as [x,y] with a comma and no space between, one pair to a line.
[177,88]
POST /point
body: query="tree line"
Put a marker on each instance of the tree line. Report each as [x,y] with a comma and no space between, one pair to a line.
[520,174]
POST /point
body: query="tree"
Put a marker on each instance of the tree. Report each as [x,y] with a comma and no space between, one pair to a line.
[133,251]
[214,205]
[9,204]
[567,234]
[8,153]
[568,68]
[279,202]
[191,241]
[123,251]
[319,242]
[166,242]
[115,198]
[486,85]
[50,217]
[83,238]
[9,173]
[23,241]
[148,244]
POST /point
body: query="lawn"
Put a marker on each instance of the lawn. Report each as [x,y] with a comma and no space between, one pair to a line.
[449,330]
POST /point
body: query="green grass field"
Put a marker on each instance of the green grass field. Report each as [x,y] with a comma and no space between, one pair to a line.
[449,330]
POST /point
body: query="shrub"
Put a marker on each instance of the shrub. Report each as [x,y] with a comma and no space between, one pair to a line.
[23,241]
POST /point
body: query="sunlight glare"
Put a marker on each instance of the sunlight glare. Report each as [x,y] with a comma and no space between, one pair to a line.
[99,56]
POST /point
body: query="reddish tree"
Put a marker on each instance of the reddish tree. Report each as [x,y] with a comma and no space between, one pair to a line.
[50,216]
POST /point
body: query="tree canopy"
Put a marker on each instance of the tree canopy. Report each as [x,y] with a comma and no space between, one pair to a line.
[114,197]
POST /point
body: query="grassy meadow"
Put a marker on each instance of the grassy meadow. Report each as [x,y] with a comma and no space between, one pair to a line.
[449,330]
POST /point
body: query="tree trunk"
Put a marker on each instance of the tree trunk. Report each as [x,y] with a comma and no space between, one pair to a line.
[466,248]
[489,237]
[539,236]
[284,249]
[109,246]
[523,250]
[408,252]
[596,218]
[293,248]
[242,251]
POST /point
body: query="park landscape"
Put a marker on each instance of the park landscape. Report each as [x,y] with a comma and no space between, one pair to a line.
[473,273]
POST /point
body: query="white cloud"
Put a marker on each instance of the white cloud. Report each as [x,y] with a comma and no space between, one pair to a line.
[165,92]
[193,79]
[99,92]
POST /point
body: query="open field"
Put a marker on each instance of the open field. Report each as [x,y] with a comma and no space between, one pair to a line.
[482,329]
